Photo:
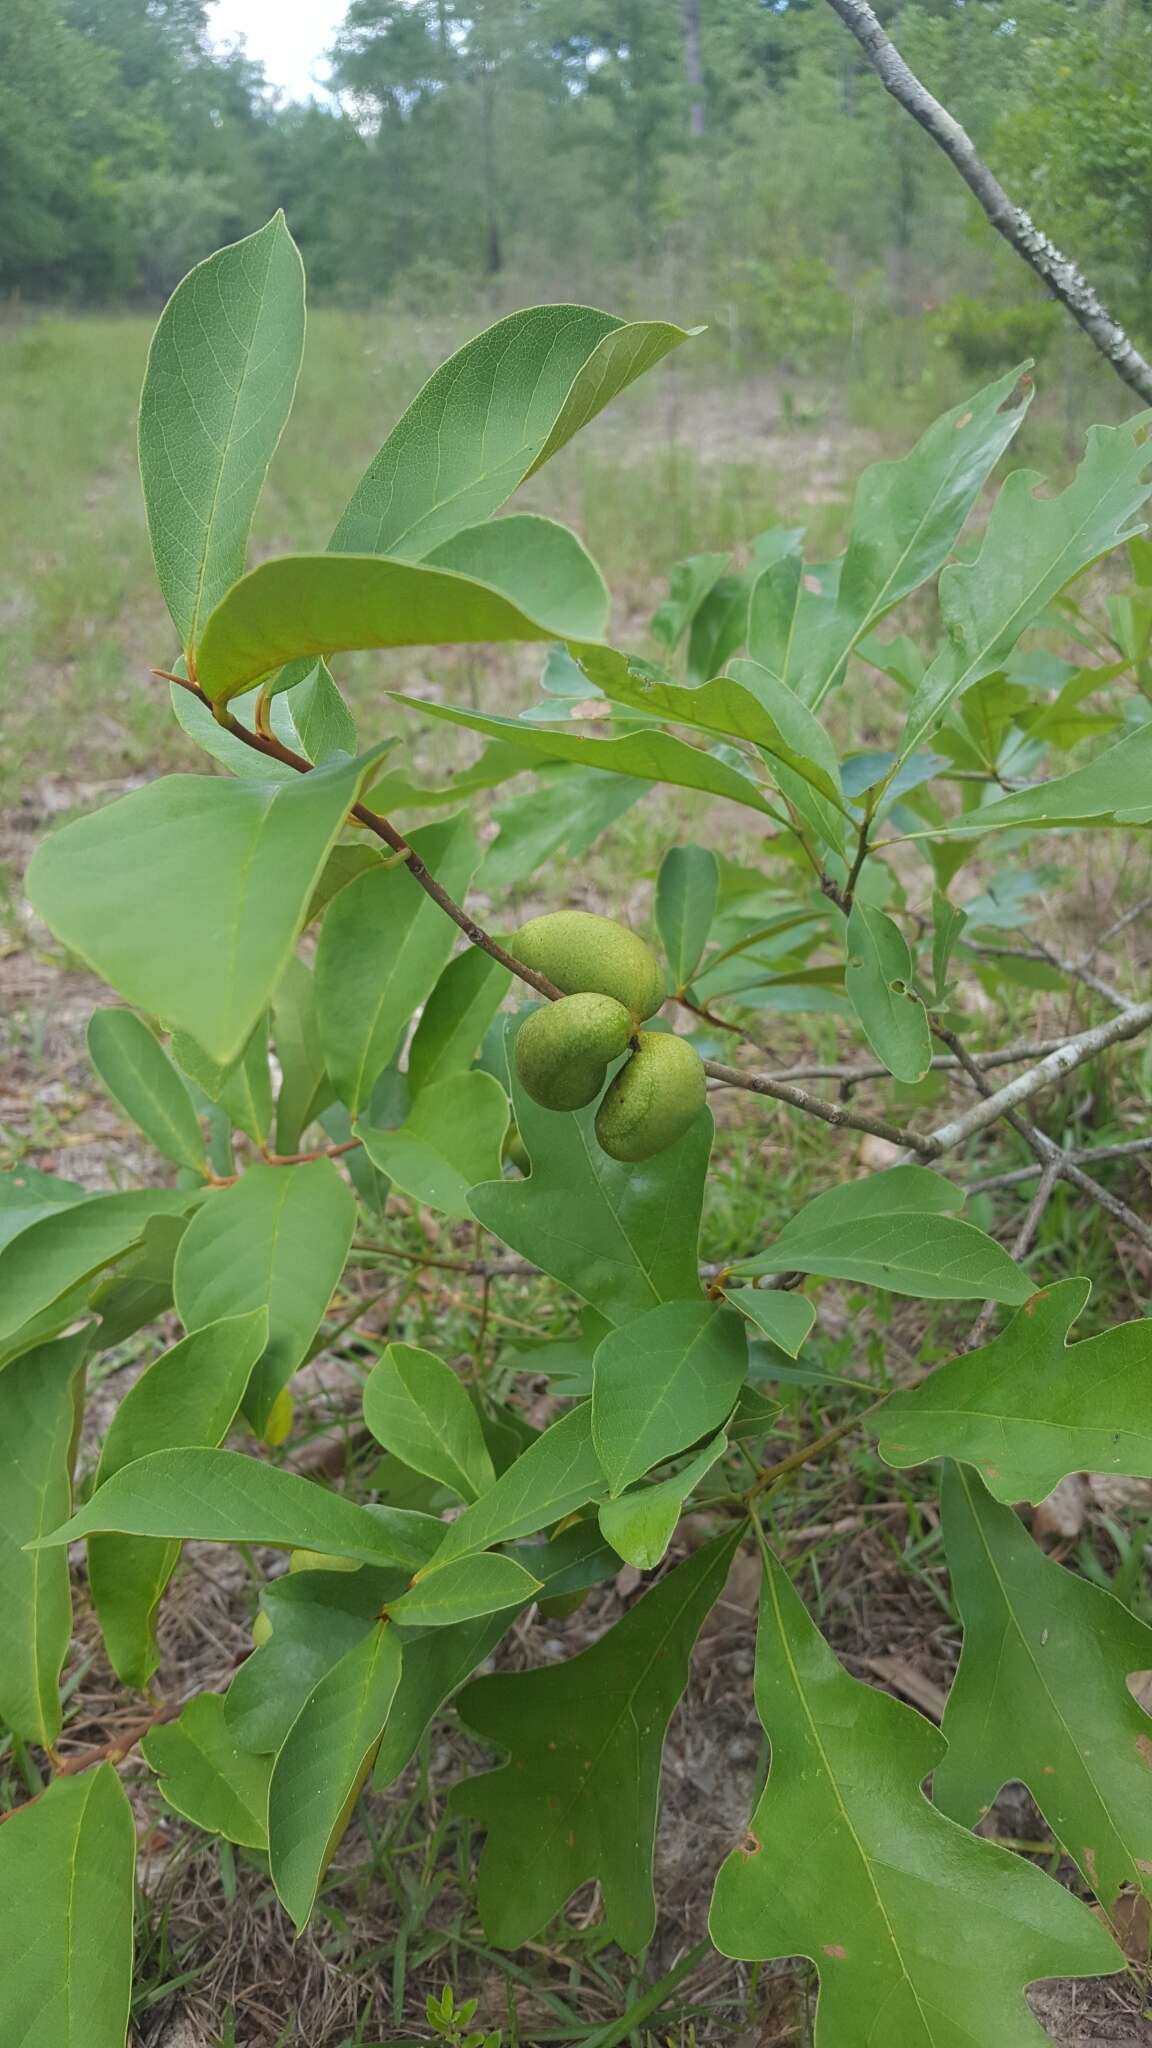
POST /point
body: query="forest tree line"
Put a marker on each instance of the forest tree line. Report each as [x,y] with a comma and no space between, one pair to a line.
[743,145]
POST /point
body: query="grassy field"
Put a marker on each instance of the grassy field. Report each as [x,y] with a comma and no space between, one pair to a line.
[693,460]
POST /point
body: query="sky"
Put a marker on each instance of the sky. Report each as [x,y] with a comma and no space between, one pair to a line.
[289,37]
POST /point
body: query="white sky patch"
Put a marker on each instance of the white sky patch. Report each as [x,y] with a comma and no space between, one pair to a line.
[288,37]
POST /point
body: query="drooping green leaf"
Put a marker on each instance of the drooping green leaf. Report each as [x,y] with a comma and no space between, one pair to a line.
[318,1773]
[66,1902]
[881,989]
[640,1525]
[383,945]
[186,1399]
[1029,1408]
[648,753]
[892,1230]
[687,888]
[66,1245]
[579,1798]
[1032,547]
[316,1617]
[557,1473]
[455,1017]
[417,1408]
[225,1497]
[489,417]
[1111,790]
[450,1140]
[207,1777]
[218,389]
[750,705]
[188,895]
[462,1588]
[785,1319]
[278,1240]
[139,1075]
[37,1418]
[661,1382]
[922,1934]
[623,1238]
[542,566]
[906,516]
[298,606]
[1040,1695]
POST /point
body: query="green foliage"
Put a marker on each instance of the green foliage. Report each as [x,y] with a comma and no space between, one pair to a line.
[278,973]
[1041,1694]
[221,376]
[66,1900]
[579,1797]
[908,1919]
[1029,1408]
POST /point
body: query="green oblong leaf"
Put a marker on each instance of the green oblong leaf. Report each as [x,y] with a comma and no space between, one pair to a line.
[489,417]
[188,895]
[416,1408]
[308,605]
[37,1420]
[218,389]
[650,755]
[225,1497]
[687,888]
[139,1075]
[318,1773]
[277,1241]
[463,1588]
[205,1776]
[66,1903]
[879,982]
[187,1398]
[662,1381]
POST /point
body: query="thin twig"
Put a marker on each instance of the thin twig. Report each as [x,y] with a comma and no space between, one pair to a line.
[1071,1055]
[1089,1156]
[1050,1153]
[1062,277]
[1007,1056]
[813,1105]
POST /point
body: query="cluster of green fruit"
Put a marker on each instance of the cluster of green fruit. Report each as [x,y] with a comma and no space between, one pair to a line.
[611,983]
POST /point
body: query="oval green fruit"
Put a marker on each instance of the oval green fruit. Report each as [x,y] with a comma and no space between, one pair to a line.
[321,1561]
[261,1630]
[588,955]
[563,1050]
[653,1099]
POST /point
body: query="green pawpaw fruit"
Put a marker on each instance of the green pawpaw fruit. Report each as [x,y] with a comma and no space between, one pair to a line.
[588,955]
[653,1099]
[515,1150]
[261,1630]
[321,1561]
[563,1050]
